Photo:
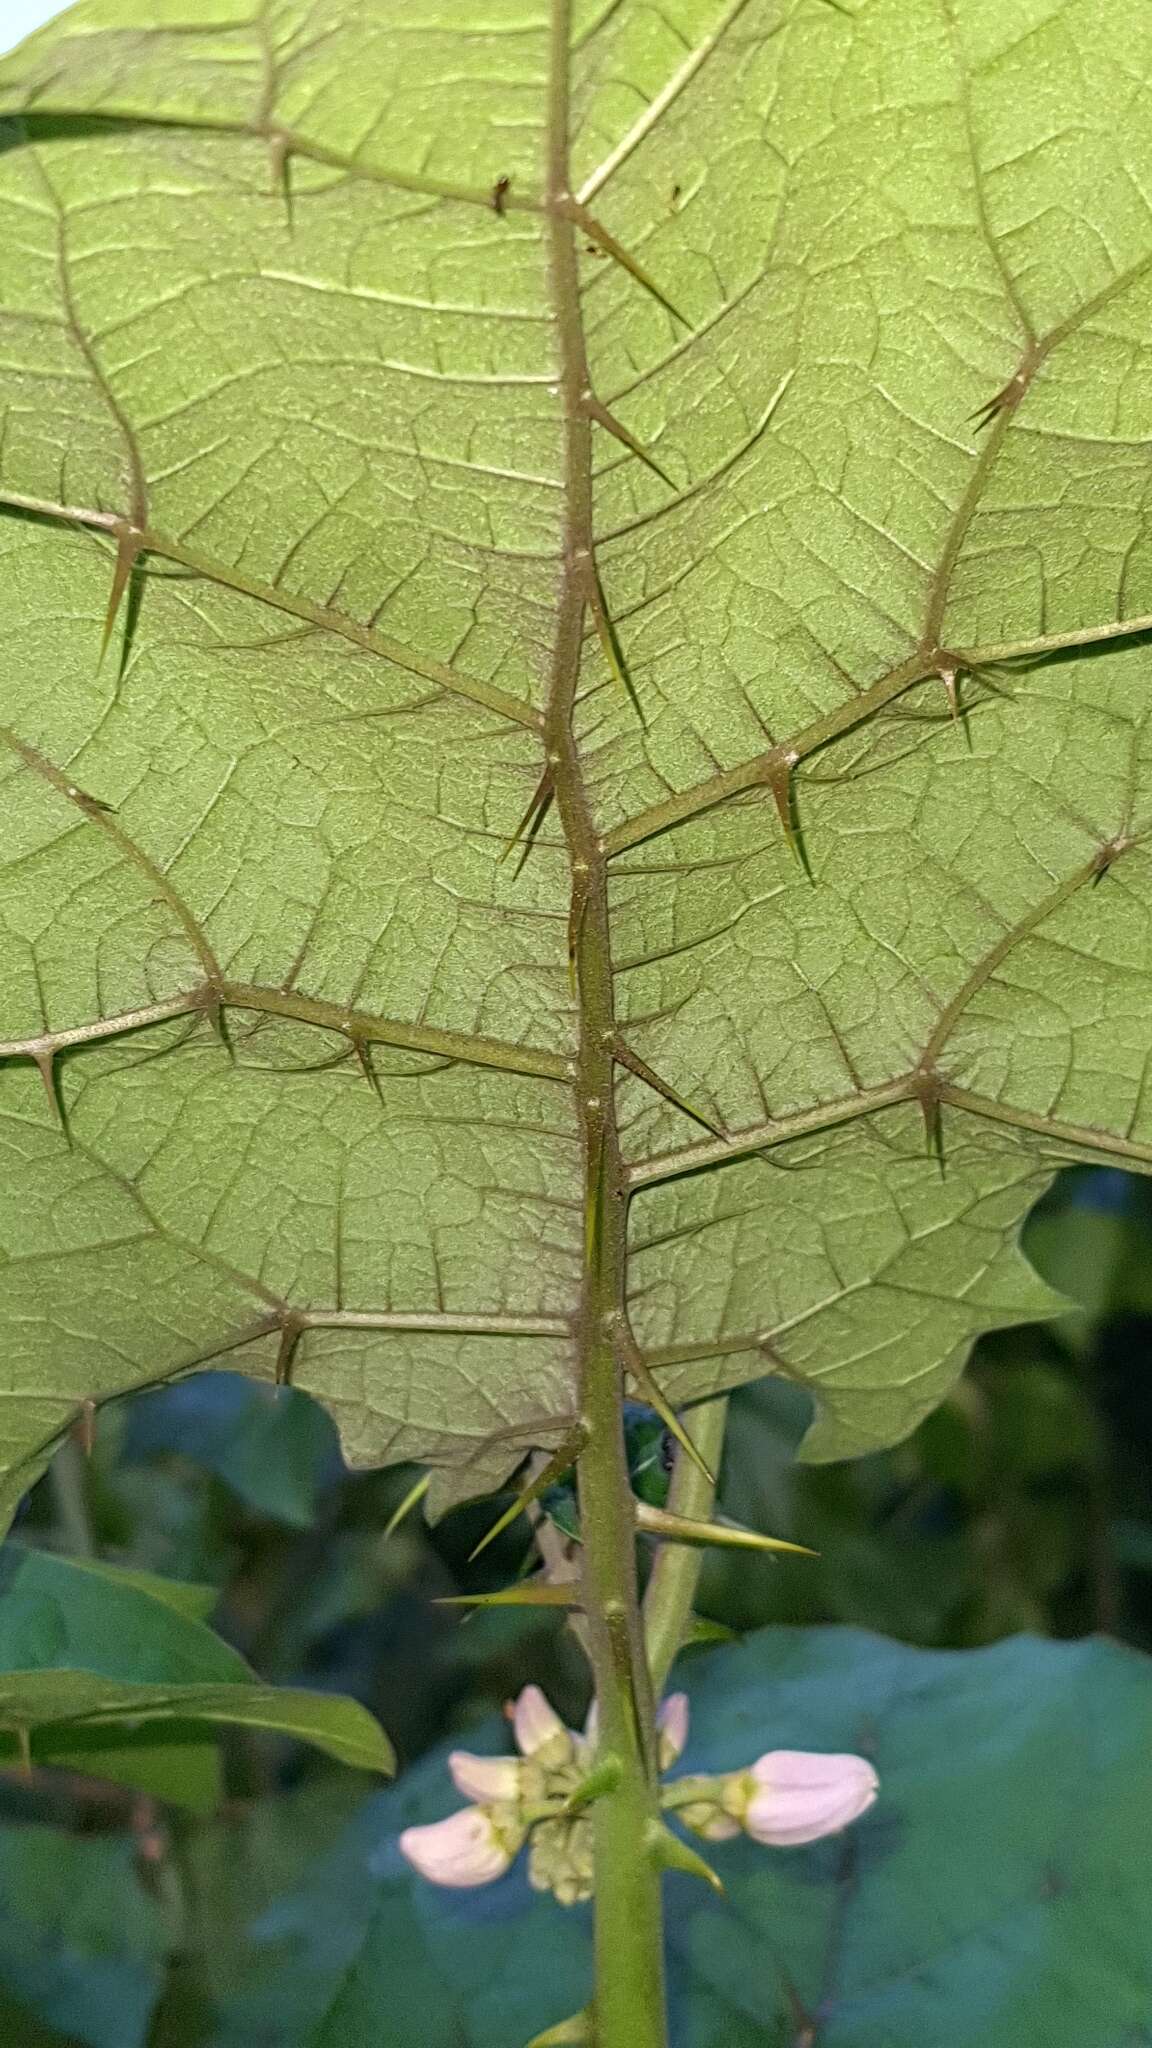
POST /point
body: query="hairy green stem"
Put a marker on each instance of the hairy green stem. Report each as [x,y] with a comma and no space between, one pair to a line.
[676,1572]
[629,1999]
[629,1995]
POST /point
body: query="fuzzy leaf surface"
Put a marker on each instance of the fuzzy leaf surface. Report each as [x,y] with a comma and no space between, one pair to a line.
[290,304]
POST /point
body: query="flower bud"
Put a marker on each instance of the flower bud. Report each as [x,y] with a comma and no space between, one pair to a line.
[468,1848]
[540,1733]
[485,1778]
[560,1860]
[792,1796]
[708,1820]
[672,1726]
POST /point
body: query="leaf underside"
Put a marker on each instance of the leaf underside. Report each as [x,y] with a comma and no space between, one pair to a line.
[843,541]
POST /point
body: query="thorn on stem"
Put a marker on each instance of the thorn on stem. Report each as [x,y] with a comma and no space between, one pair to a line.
[411,1500]
[533,1593]
[562,1457]
[578,2032]
[668,1852]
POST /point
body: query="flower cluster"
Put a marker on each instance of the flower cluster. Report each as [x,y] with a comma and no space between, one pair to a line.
[785,1798]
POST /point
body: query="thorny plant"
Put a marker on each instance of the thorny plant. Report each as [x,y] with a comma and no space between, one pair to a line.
[699,434]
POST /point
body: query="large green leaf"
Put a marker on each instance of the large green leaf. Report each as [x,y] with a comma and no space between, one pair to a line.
[998,1893]
[825,400]
[82,1942]
[101,1674]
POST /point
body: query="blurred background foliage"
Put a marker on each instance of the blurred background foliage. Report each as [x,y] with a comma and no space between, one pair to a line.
[1024,1504]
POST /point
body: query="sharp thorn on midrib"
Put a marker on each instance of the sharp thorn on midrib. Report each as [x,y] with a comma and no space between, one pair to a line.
[576,915]
[46,1065]
[596,232]
[291,1331]
[609,641]
[363,1057]
[624,1056]
[1005,400]
[280,179]
[611,425]
[639,1371]
[129,547]
[526,831]
[928,1095]
[778,776]
[218,1021]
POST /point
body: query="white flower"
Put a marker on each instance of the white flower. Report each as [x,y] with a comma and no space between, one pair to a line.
[539,1731]
[485,1778]
[794,1795]
[466,1849]
[672,1727]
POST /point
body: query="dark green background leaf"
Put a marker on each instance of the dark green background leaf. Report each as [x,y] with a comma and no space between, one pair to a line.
[85,1644]
[998,1893]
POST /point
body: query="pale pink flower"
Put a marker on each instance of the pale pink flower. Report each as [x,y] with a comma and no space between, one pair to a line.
[538,1727]
[672,1727]
[486,1778]
[466,1849]
[797,1795]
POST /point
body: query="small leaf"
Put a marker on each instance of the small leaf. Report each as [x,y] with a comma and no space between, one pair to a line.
[701,1630]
